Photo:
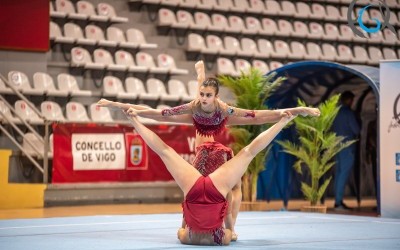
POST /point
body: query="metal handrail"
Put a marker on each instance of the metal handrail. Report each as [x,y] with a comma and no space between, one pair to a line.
[22,97]
[21,119]
[45,141]
[34,162]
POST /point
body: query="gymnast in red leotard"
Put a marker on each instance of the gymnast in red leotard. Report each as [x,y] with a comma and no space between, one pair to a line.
[208,113]
[205,205]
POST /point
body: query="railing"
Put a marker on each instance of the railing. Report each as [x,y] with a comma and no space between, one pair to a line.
[44,155]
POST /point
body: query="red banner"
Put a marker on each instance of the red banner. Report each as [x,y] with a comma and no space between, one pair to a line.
[24,25]
[99,153]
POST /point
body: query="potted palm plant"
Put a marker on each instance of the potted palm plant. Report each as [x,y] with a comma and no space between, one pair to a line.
[251,89]
[315,151]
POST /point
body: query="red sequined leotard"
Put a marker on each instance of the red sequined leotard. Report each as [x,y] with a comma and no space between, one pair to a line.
[210,156]
[208,124]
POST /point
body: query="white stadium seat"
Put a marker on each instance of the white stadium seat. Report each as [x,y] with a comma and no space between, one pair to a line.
[135,85]
[214,45]
[375,54]
[57,36]
[219,22]
[300,29]
[5,110]
[76,112]
[195,43]
[226,67]
[344,53]
[80,57]
[192,88]
[117,35]
[256,6]
[177,88]
[87,8]
[146,60]
[317,11]
[389,54]
[100,114]
[24,111]
[360,55]
[52,111]
[125,58]
[107,10]
[94,32]
[249,47]
[165,61]
[202,21]
[231,45]
[21,82]
[284,28]
[298,50]
[104,58]
[112,86]
[68,8]
[236,25]
[73,31]
[272,7]
[265,48]
[67,83]
[242,66]
[282,49]
[329,52]
[288,8]
[261,66]
[313,51]
[156,87]
[303,10]
[136,37]
[273,65]
[44,82]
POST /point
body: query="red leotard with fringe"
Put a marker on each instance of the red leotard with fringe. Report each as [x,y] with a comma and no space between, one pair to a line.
[204,209]
[209,157]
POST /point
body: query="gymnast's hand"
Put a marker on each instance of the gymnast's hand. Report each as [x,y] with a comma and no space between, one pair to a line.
[285,113]
[132,112]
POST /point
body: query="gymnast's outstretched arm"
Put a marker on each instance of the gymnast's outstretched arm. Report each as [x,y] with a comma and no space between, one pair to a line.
[155,114]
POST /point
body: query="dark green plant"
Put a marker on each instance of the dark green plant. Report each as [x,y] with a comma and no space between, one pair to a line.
[251,90]
[317,147]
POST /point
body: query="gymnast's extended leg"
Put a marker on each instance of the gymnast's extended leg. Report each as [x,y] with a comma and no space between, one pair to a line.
[228,175]
[183,173]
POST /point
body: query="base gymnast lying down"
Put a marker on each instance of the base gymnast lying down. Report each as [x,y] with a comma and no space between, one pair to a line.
[205,204]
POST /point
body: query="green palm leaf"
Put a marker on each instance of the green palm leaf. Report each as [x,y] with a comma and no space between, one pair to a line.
[317,147]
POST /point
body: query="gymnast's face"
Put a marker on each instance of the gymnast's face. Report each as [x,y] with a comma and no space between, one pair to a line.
[207,97]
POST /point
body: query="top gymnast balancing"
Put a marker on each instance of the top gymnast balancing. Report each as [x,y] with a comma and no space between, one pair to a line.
[208,113]
[205,205]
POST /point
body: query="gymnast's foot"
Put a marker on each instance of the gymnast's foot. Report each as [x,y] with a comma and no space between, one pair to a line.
[305,111]
[234,236]
[103,102]
[199,66]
